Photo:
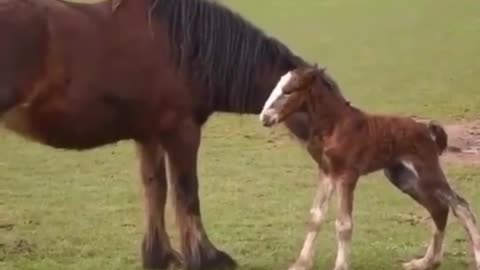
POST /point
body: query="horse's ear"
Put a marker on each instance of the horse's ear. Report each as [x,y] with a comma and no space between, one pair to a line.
[116,4]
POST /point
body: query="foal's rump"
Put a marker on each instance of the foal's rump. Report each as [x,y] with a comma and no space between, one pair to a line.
[411,134]
[439,135]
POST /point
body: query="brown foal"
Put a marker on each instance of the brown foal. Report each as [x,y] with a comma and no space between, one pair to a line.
[347,143]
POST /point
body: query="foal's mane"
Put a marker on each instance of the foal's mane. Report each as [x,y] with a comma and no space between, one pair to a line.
[325,78]
[222,50]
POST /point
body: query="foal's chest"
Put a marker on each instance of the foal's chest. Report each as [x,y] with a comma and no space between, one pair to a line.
[316,149]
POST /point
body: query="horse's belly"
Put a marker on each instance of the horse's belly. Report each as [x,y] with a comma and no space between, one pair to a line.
[63,130]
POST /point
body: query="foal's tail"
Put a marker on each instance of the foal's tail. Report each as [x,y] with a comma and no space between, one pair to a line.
[439,136]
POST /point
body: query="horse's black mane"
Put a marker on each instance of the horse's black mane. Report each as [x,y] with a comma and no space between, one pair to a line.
[221,49]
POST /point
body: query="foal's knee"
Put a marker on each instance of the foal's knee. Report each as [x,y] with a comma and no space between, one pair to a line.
[317,217]
[344,228]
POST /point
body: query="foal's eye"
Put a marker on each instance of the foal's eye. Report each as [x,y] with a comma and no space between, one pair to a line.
[287,91]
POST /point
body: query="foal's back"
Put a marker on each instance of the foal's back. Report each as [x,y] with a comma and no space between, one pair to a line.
[372,142]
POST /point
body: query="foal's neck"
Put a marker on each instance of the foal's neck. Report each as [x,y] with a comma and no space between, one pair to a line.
[326,115]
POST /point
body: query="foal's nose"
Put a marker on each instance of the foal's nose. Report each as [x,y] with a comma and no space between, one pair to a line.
[267,122]
[268,119]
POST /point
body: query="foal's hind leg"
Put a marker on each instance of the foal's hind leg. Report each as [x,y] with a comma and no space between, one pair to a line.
[318,212]
[182,150]
[463,212]
[405,177]
[157,252]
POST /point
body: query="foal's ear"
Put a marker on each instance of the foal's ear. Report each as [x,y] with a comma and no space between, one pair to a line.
[310,75]
[116,4]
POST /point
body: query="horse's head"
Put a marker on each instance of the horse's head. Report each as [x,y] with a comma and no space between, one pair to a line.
[288,96]
[22,35]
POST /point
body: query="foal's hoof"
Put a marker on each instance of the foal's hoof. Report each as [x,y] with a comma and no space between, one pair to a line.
[301,265]
[341,267]
[298,267]
[420,264]
[211,259]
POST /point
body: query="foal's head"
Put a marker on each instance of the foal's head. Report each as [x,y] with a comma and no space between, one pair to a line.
[294,89]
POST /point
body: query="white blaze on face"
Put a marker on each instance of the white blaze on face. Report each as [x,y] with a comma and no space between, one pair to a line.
[276,93]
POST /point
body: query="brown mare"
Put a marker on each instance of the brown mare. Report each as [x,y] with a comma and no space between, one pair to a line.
[347,143]
[80,76]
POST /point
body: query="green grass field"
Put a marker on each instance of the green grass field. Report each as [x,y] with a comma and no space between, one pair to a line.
[81,211]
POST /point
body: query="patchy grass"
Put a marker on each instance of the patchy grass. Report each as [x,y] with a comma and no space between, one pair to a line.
[414,57]
[79,211]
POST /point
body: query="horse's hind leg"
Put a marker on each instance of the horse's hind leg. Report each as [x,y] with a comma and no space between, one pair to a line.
[156,250]
[318,212]
[406,178]
[182,150]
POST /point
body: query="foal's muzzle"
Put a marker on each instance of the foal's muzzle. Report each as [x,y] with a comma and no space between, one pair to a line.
[269,118]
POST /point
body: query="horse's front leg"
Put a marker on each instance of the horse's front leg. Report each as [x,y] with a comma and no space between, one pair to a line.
[182,150]
[157,252]
[318,213]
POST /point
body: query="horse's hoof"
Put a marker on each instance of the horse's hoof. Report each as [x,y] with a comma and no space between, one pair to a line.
[161,259]
[214,260]
[167,260]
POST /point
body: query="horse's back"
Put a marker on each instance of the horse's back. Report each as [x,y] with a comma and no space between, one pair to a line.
[101,82]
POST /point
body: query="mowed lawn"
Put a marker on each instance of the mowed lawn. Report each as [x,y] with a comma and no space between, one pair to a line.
[80,211]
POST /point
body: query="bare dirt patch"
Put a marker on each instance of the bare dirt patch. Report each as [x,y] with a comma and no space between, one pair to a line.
[463,143]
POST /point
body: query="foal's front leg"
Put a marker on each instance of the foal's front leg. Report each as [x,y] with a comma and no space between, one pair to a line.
[344,222]
[318,212]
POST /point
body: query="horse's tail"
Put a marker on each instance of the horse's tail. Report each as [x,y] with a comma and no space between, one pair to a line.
[439,136]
